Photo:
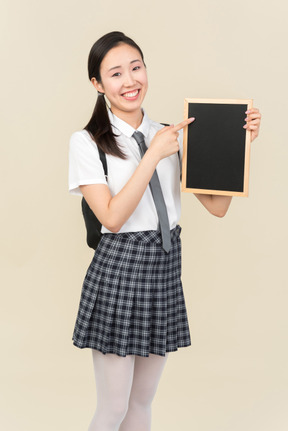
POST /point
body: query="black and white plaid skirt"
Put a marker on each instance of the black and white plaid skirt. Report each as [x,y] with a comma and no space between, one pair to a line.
[132,300]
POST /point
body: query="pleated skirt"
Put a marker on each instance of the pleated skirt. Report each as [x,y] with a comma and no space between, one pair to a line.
[132,301]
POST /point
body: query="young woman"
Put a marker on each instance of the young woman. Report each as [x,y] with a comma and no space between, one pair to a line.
[132,309]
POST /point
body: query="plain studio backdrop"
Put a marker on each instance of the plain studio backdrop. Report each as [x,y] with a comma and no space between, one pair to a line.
[234,376]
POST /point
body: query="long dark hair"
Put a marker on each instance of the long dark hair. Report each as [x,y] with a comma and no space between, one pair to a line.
[99,125]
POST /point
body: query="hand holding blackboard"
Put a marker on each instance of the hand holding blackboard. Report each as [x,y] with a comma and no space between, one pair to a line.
[253,121]
[216,148]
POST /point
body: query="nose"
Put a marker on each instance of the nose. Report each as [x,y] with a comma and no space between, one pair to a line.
[129,80]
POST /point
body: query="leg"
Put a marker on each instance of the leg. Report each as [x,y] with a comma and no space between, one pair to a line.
[113,375]
[147,373]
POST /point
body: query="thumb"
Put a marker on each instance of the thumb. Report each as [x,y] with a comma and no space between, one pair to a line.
[166,128]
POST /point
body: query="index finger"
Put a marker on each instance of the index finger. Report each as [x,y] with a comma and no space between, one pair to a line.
[183,124]
[252,110]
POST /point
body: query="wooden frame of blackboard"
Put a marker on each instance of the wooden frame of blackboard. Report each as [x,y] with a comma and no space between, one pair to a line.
[221,169]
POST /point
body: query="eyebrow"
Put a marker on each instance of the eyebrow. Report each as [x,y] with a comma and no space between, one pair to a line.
[117,67]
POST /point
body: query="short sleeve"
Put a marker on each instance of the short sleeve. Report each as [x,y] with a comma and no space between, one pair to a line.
[85,166]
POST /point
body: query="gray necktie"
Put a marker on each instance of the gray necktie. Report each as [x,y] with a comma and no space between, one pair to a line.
[157,194]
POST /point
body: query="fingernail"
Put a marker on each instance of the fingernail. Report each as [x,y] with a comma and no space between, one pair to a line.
[247,112]
[244,127]
[192,118]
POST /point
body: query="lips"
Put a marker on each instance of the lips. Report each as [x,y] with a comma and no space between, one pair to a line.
[131,95]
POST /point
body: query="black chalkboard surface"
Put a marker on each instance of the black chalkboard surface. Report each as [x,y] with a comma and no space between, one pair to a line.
[216,147]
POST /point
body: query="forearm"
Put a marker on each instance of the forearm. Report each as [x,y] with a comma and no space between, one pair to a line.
[114,211]
[216,204]
[122,205]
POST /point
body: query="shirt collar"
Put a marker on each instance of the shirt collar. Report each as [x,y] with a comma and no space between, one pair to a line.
[128,130]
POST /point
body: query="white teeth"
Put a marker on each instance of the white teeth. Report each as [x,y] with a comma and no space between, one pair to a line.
[131,94]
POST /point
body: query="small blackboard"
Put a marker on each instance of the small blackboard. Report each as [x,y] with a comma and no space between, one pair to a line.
[216,147]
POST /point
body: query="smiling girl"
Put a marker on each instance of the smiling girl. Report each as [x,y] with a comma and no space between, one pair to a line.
[132,310]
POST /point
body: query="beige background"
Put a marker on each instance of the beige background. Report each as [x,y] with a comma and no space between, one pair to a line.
[234,377]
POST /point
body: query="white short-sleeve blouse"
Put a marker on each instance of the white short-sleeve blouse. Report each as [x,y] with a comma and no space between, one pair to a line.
[85,167]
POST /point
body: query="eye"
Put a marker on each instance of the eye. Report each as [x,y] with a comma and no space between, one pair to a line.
[116,74]
[136,67]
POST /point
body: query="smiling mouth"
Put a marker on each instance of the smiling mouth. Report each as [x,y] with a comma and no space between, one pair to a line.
[131,94]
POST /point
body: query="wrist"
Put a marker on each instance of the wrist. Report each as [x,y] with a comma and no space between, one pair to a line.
[152,155]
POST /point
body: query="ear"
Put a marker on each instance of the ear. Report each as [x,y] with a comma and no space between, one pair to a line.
[97,85]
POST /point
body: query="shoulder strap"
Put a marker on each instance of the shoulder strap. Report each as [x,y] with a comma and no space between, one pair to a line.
[103,160]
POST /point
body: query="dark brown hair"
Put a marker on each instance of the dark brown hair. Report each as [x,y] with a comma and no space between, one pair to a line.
[99,125]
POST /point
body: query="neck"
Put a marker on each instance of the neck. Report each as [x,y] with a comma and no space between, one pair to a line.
[134,119]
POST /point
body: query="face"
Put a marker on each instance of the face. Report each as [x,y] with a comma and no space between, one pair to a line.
[123,80]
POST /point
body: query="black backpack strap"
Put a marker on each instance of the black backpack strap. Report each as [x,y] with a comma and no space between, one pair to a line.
[93,225]
[104,161]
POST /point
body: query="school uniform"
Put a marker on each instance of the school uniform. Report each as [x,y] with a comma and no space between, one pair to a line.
[132,301]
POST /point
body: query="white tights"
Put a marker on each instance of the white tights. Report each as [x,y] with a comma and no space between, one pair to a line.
[125,391]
